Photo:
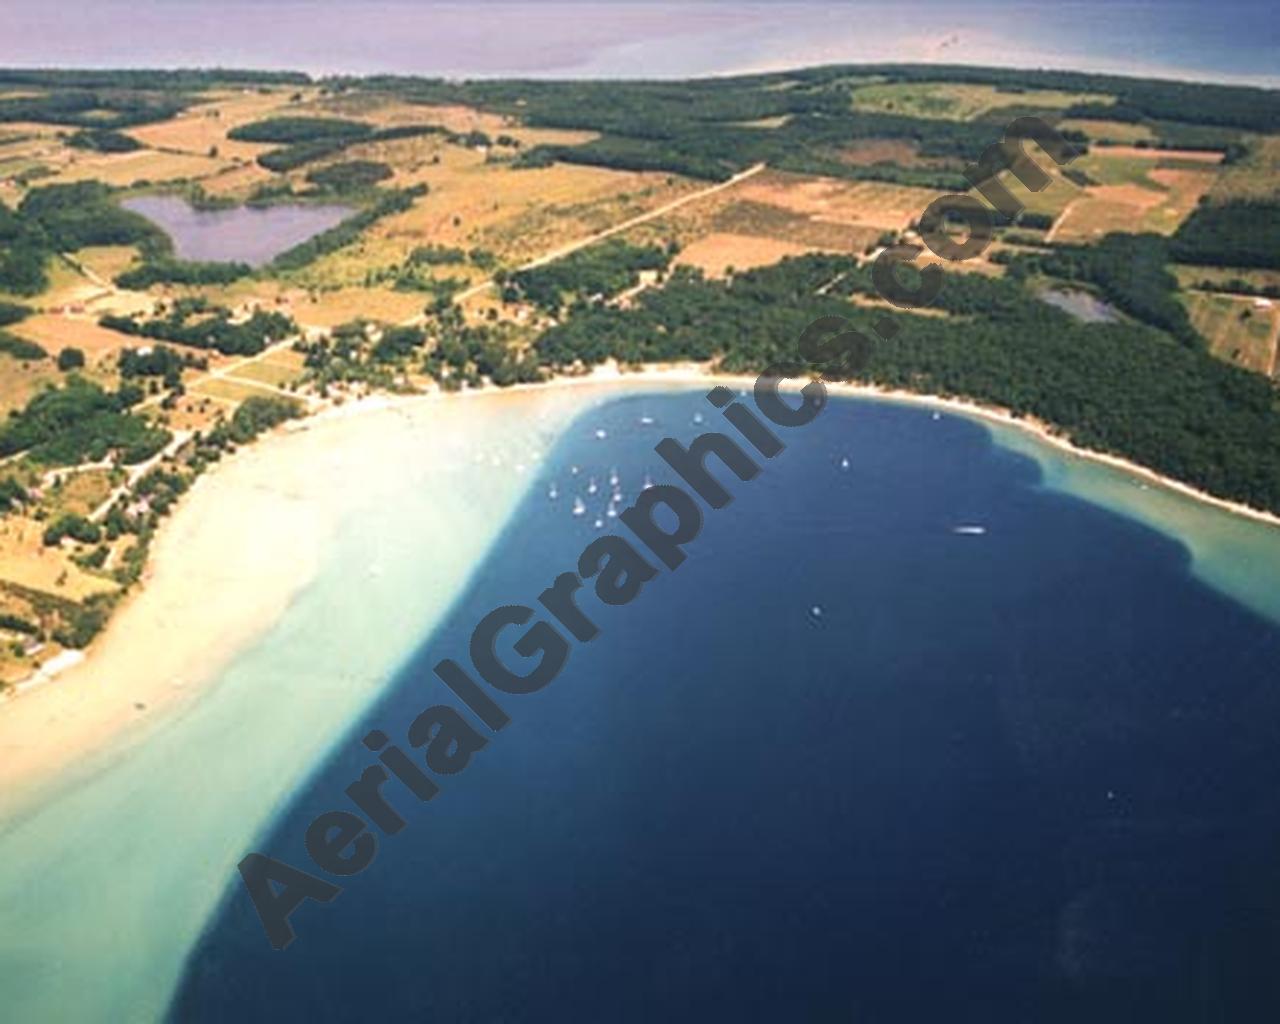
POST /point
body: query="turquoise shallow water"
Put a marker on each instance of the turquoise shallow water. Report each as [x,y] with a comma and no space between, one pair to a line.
[1056,735]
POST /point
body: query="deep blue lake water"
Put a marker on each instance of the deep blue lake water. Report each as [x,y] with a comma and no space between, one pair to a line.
[1020,775]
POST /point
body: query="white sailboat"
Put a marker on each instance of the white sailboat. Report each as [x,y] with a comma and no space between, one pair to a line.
[578,507]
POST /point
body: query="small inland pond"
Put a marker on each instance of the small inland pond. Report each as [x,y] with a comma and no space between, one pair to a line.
[241,234]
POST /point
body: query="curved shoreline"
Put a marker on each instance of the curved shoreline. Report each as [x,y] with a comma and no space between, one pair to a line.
[204,597]
[390,505]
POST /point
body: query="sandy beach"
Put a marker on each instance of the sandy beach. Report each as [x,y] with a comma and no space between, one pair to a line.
[251,534]
[240,546]
[289,585]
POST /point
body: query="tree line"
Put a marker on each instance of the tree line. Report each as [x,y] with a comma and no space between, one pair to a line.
[1124,388]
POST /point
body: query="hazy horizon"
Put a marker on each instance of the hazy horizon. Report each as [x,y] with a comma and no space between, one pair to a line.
[1232,42]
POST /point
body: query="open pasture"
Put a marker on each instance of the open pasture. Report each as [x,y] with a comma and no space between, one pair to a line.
[123,170]
[330,308]
[56,331]
[1136,190]
[476,204]
[236,181]
[78,493]
[1050,201]
[279,369]
[391,112]
[203,128]
[106,261]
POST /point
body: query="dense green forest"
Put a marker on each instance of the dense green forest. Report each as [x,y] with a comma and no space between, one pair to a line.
[115,99]
[289,130]
[304,140]
[174,271]
[1124,388]
[193,322]
[1130,270]
[12,313]
[93,108]
[158,361]
[1233,234]
[63,218]
[20,348]
[80,422]
[103,140]
[601,270]
[352,176]
[177,80]
[258,413]
[704,128]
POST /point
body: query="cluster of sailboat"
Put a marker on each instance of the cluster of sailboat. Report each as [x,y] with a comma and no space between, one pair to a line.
[612,486]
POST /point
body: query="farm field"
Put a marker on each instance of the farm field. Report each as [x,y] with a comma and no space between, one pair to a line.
[203,128]
[1050,201]
[1237,329]
[228,389]
[785,214]
[1221,278]
[869,204]
[1257,176]
[1108,131]
[21,380]
[279,369]
[78,493]
[26,562]
[329,308]
[902,152]
[1137,190]
[513,250]
[719,253]
[56,331]
[959,102]
[477,204]
[148,166]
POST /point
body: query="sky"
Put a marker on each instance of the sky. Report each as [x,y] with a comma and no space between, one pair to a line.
[1227,40]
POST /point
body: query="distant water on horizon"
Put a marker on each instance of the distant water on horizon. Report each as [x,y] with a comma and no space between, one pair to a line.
[1231,40]
[847,762]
